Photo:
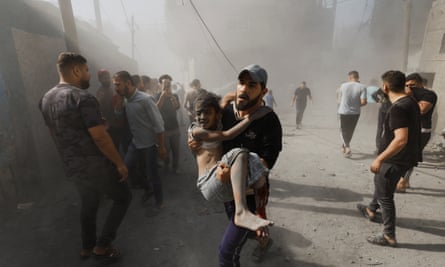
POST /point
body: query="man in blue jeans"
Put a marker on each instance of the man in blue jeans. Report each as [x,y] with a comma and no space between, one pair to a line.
[398,151]
[264,137]
[147,128]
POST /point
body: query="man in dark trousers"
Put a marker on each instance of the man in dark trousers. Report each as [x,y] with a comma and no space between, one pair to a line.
[147,130]
[168,104]
[426,100]
[264,137]
[300,99]
[88,154]
[399,151]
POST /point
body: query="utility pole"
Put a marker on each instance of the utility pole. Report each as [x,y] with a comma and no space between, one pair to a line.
[334,31]
[98,16]
[69,25]
[132,37]
[406,33]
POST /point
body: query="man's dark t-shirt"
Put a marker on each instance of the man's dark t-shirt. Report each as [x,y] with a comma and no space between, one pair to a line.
[263,136]
[422,94]
[403,113]
[69,112]
[168,112]
[302,94]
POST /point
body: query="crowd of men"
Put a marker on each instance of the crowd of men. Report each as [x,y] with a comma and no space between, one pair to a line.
[133,123]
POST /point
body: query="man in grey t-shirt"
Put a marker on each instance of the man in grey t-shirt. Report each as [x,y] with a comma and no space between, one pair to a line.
[351,97]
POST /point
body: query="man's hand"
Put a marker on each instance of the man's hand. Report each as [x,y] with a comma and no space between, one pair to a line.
[223,173]
[376,165]
[194,145]
[229,97]
[123,171]
[163,153]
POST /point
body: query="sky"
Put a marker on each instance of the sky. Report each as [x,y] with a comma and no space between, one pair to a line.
[150,14]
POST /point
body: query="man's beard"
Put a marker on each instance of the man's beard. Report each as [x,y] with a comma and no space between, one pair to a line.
[249,103]
[85,84]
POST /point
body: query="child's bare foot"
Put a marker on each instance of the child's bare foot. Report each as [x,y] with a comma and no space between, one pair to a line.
[248,220]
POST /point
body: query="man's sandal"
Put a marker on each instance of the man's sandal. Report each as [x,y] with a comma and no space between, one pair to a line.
[85,253]
[109,253]
[381,240]
[364,211]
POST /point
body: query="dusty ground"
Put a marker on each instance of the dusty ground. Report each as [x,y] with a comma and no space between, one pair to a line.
[313,198]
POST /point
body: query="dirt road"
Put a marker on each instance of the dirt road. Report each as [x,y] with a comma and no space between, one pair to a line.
[313,198]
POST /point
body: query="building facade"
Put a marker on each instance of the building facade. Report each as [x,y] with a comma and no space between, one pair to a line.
[432,62]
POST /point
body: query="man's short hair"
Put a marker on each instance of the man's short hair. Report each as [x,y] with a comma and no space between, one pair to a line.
[136,79]
[415,77]
[165,77]
[68,60]
[206,100]
[195,83]
[145,79]
[395,80]
[124,76]
[354,74]
[102,72]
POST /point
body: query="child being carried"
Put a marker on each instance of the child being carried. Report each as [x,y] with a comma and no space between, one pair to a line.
[246,168]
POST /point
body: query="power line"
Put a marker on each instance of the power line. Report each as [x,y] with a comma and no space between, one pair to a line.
[213,37]
[125,13]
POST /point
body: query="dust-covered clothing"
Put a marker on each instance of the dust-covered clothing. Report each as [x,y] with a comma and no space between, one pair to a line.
[144,119]
[263,137]
[212,189]
[68,112]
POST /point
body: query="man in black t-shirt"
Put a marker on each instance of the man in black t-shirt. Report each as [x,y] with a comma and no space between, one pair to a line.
[399,151]
[168,104]
[426,100]
[263,137]
[88,153]
[300,99]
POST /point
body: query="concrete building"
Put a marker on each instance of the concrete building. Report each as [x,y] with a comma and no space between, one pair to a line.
[432,62]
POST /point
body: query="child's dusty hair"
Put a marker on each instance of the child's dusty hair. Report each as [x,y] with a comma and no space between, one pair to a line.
[206,100]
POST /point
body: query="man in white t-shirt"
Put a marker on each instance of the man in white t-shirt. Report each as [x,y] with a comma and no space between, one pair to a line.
[351,97]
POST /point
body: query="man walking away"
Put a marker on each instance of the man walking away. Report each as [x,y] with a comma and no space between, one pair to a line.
[351,97]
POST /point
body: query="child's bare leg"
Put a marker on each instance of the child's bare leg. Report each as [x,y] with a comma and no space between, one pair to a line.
[238,176]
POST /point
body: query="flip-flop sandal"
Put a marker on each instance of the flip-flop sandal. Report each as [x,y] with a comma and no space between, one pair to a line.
[259,252]
[362,209]
[381,241]
[109,253]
